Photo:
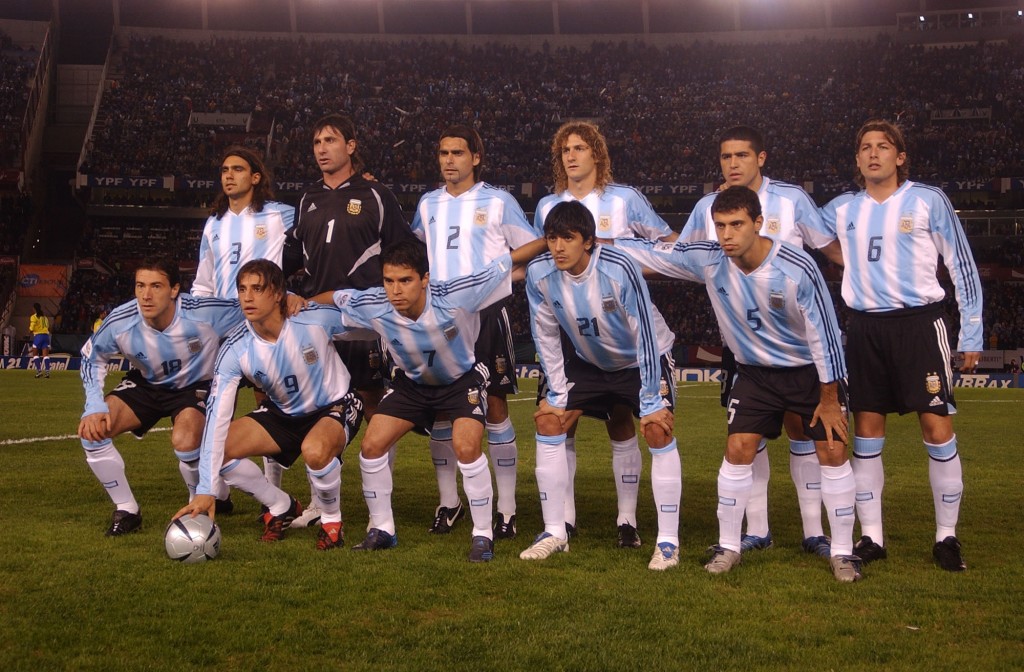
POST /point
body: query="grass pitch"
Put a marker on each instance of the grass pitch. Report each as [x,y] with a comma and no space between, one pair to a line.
[71,599]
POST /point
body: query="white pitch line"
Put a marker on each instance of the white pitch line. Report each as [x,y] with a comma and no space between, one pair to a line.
[62,437]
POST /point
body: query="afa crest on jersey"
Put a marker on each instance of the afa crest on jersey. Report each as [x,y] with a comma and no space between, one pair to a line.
[194,345]
[261,231]
[907,222]
[604,223]
[772,226]
[776,300]
[932,383]
[355,206]
[609,304]
[480,216]
[450,331]
[309,355]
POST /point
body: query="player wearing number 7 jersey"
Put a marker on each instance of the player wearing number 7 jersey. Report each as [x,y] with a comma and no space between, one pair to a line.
[171,340]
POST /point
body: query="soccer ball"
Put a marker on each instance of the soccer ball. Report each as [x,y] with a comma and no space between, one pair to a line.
[192,539]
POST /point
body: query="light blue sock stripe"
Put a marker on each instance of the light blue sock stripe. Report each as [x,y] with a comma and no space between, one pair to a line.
[864,448]
[667,449]
[551,440]
[331,466]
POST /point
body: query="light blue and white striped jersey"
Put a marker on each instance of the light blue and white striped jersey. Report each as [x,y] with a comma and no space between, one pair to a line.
[466,232]
[619,212]
[606,312]
[780,315]
[300,372]
[231,241]
[183,354]
[891,254]
[789,215]
[437,348]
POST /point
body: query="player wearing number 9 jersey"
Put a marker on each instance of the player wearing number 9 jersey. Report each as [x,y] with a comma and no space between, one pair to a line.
[171,340]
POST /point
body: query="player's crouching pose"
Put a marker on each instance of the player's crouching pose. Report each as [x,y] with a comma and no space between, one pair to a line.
[310,408]
[776,315]
[171,340]
[597,296]
[431,329]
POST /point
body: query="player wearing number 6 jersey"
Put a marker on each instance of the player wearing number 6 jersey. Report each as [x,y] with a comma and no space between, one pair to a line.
[310,409]
[892,234]
[171,339]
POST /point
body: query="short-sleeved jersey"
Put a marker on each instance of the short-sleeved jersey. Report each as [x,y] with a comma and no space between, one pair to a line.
[607,313]
[437,348]
[39,324]
[232,240]
[779,316]
[342,232]
[300,372]
[181,355]
[619,212]
[789,215]
[466,232]
[891,254]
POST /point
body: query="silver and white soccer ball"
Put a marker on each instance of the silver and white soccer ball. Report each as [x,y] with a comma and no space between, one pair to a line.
[192,539]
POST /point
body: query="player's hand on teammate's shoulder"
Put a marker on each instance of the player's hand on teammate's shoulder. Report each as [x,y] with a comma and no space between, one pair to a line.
[296,304]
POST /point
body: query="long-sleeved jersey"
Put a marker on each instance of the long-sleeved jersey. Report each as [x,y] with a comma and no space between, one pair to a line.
[607,313]
[437,347]
[342,231]
[232,240]
[779,315]
[619,212]
[789,215]
[300,372]
[181,355]
[891,254]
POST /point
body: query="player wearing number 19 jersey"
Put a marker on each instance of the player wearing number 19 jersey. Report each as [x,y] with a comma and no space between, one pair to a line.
[171,340]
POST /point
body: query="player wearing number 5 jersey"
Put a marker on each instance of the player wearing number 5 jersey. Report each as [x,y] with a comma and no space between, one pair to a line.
[892,234]
[171,339]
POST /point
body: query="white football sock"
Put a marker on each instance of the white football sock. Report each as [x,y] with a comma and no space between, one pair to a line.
[838,492]
[945,473]
[501,444]
[667,486]
[377,487]
[626,466]
[326,490]
[570,483]
[273,471]
[734,483]
[476,481]
[757,505]
[108,466]
[188,465]
[806,472]
[870,477]
[552,475]
[247,477]
[442,454]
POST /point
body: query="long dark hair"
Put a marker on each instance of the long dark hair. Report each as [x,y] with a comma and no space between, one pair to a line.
[262,191]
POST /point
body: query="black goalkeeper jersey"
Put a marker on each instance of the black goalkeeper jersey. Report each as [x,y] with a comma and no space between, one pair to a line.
[342,232]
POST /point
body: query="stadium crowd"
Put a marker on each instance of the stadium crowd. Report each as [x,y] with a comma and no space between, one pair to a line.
[660,107]
[16,68]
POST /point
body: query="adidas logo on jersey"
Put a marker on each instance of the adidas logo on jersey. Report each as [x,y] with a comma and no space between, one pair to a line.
[395,341]
[311,208]
[935,402]
[721,290]
[556,304]
[140,355]
[850,227]
[216,237]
